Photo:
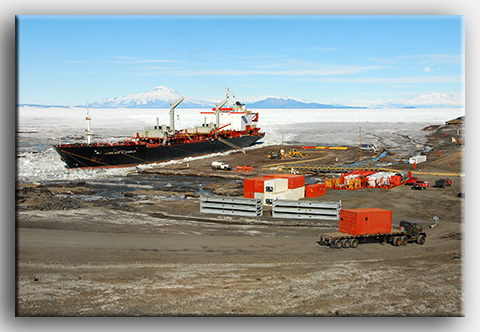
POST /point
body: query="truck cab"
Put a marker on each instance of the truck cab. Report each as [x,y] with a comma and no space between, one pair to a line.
[414,230]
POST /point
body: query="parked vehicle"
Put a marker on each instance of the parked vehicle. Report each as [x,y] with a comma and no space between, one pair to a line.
[274,155]
[411,181]
[366,230]
[442,183]
[419,185]
[216,165]
[368,147]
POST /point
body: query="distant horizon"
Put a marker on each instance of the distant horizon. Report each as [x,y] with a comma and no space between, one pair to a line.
[257,102]
[355,60]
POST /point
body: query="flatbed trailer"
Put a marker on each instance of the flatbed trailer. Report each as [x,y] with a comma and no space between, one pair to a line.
[409,232]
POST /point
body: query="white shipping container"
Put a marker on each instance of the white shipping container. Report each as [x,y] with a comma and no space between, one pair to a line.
[275,186]
[259,196]
[289,195]
[269,198]
[295,194]
[417,159]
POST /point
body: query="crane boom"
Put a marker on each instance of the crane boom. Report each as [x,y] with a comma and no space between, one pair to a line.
[172,113]
[217,111]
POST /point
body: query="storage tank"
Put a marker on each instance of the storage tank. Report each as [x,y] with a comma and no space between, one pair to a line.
[404,175]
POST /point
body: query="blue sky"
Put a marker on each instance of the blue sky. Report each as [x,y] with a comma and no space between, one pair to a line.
[352,60]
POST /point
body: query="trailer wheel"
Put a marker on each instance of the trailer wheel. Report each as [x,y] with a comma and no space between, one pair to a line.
[421,239]
[337,244]
[404,241]
[345,243]
[353,243]
[397,241]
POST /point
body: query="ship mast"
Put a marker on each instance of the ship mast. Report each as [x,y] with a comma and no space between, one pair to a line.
[89,133]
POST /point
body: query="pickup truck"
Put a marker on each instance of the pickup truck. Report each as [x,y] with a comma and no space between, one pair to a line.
[442,183]
[411,181]
[419,185]
[216,165]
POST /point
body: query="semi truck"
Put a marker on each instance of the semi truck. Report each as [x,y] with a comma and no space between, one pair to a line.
[371,225]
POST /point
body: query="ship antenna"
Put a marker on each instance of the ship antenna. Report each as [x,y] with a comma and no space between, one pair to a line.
[89,133]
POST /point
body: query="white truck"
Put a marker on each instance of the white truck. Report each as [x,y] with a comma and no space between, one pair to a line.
[217,165]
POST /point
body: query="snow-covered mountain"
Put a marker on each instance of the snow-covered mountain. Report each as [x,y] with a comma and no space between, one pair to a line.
[429,100]
[275,102]
[159,97]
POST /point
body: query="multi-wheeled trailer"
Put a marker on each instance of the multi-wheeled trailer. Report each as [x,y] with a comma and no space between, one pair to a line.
[371,225]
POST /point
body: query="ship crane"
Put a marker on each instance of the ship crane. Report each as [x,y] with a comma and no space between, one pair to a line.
[217,112]
[89,133]
[172,113]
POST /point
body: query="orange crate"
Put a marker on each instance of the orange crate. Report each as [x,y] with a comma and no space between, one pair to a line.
[315,190]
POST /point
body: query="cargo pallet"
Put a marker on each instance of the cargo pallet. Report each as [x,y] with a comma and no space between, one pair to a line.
[411,232]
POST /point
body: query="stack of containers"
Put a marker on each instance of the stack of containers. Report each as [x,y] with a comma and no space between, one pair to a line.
[275,189]
[253,186]
[275,186]
[365,221]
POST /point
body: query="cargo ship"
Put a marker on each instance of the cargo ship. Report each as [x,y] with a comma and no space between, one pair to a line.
[224,128]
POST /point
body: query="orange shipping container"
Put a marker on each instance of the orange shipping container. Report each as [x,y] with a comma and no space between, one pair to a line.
[253,185]
[365,221]
[294,180]
[315,190]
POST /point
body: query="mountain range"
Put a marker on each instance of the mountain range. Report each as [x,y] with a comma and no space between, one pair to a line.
[161,97]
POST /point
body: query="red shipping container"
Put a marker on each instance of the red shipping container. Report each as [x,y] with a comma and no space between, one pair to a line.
[294,180]
[315,190]
[253,185]
[365,221]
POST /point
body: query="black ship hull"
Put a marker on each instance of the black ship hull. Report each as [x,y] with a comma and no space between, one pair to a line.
[128,155]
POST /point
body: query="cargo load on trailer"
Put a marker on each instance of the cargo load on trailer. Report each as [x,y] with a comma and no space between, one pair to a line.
[371,225]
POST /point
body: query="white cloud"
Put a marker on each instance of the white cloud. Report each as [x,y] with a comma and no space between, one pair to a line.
[394,80]
[327,70]
[436,58]
[421,59]
[427,69]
